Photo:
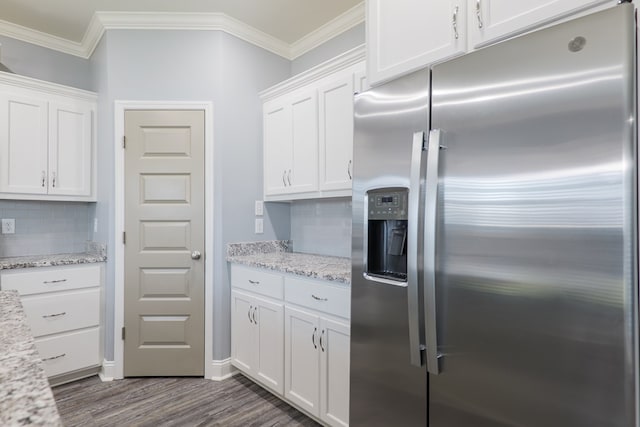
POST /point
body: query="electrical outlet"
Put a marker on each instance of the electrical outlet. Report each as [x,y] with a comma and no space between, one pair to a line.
[259,226]
[8,226]
[259,208]
[95,225]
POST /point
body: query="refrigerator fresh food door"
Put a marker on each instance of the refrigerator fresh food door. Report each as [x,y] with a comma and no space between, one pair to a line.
[536,277]
[388,376]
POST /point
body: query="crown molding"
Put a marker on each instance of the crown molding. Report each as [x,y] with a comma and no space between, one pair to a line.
[336,26]
[102,21]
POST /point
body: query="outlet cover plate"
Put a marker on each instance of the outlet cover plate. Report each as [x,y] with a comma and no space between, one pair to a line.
[8,226]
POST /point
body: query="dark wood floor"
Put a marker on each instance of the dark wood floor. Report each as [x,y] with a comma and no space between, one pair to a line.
[173,402]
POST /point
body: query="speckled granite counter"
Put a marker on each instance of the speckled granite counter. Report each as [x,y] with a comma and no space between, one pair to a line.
[25,395]
[336,269]
[50,260]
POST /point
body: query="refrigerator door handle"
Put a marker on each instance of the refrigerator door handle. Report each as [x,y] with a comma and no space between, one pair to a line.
[430,218]
[416,340]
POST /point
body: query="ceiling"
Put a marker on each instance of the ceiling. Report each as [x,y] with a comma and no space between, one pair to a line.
[286,20]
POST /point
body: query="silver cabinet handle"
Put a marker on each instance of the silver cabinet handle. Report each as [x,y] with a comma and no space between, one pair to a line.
[53,179]
[416,335]
[284,177]
[349,169]
[54,315]
[289,177]
[44,178]
[455,22]
[479,13]
[54,357]
[430,217]
[50,282]
[254,315]
[196,255]
[254,282]
[313,337]
[321,346]
[249,313]
[319,298]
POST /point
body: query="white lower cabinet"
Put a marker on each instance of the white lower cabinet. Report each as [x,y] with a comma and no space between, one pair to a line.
[256,338]
[63,307]
[292,336]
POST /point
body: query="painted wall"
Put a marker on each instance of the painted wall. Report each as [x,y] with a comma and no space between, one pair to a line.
[322,227]
[45,64]
[195,66]
[331,48]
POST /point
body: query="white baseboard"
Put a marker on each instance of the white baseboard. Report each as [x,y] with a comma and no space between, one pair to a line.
[222,369]
[107,373]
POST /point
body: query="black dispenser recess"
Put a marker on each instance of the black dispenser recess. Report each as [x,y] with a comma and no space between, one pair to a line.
[387,233]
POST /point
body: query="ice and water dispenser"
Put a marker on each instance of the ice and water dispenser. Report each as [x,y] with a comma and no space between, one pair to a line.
[387,233]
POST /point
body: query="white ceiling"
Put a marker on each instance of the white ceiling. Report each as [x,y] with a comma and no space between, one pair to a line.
[286,20]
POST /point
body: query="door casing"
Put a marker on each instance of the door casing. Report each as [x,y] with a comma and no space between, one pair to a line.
[117,370]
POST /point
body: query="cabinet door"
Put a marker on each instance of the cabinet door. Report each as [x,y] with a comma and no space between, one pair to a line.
[243,340]
[302,359]
[361,81]
[23,144]
[70,145]
[406,35]
[303,176]
[336,133]
[334,372]
[277,147]
[269,323]
[494,19]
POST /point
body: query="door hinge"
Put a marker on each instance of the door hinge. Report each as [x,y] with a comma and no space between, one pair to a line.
[124,141]
[124,237]
[123,333]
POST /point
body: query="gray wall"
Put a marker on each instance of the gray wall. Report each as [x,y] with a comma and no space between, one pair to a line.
[45,64]
[199,66]
[333,47]
[322,227]
[44,228]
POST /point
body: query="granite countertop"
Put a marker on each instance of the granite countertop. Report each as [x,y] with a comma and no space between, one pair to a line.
[276,257]
[50,260]
[25,395]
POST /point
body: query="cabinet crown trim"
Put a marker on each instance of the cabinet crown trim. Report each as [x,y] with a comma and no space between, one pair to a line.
[340,62]
[46,87]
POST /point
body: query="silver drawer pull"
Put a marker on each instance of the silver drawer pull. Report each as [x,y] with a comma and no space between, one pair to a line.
[318,298]
[54,315]
[55,357]
[48,282]
[254,282]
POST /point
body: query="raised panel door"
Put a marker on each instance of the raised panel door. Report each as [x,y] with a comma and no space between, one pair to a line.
[490,20]
[269,347]
[334,372]
[336,133]
[243,349]
[302,359]
[70,149]
[303,174]
[406,35]
[23,144]
[278,147]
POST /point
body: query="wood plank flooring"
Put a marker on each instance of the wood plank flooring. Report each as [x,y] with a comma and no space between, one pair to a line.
[183,402]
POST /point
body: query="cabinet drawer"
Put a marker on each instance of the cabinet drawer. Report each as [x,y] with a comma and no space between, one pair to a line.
[257,281]
[69,352]
[59,312]
[40,280]
[318,295]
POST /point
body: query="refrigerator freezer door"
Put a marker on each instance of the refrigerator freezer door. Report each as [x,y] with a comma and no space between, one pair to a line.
[535,269]
[386,388]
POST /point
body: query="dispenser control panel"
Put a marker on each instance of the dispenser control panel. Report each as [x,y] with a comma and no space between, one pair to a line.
[387,203]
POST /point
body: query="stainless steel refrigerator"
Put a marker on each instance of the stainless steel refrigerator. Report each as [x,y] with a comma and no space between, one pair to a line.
[495,236]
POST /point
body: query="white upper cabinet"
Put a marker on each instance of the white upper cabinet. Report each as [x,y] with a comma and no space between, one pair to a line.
[336,132]
[303,174]
[406,35]
[491,20]
[47,141]
[277,146]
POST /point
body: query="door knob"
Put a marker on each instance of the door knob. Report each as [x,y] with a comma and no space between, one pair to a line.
[196,255]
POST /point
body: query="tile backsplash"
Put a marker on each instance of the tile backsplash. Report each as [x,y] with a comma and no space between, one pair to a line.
[322,226]
[44,228]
